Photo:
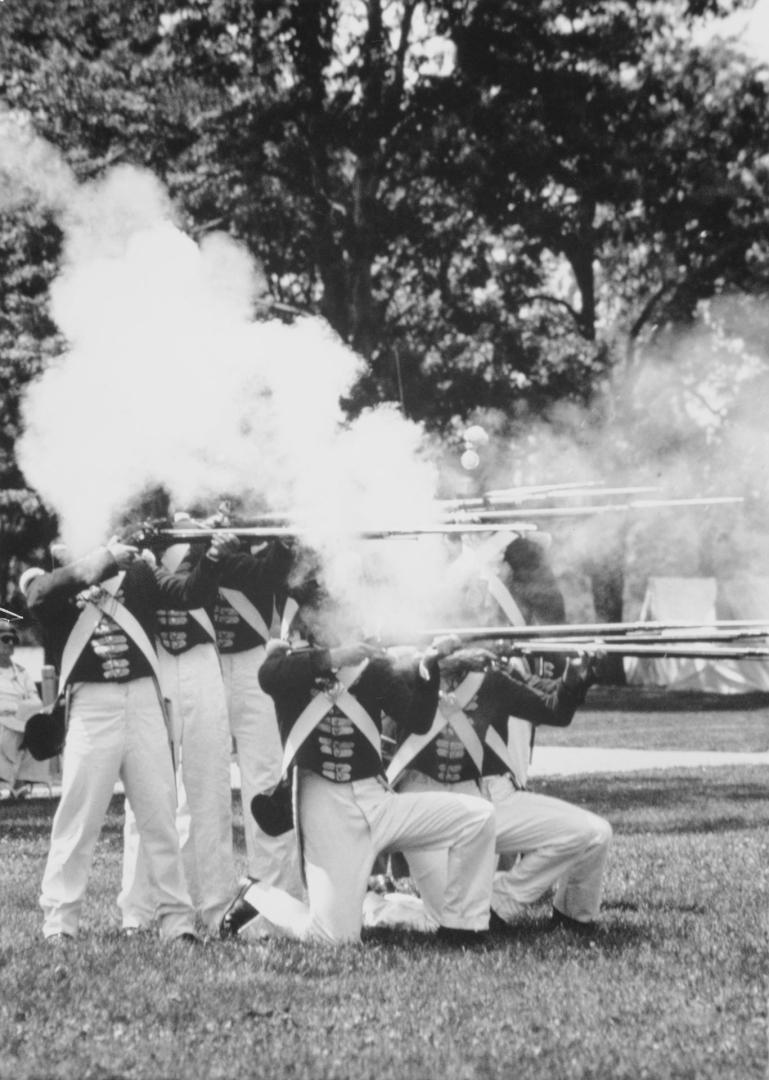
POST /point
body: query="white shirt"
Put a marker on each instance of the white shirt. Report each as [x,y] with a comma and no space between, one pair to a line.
[16,685]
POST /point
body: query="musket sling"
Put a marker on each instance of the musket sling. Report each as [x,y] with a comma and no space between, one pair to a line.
[172,560]
[248,612]
[448,712]
[321,705]
[108,604]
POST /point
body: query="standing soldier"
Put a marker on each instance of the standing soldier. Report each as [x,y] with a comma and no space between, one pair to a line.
[191,678]
[99,615]
[251,600]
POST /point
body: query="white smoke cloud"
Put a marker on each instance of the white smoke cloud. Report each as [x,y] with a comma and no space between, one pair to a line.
[168,380]
[688,422]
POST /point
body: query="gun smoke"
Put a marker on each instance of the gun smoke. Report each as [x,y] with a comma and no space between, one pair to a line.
[168,380]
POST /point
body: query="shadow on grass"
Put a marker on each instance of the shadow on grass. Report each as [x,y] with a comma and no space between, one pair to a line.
[632,906]
[527,935]
[673,801]
[664,700]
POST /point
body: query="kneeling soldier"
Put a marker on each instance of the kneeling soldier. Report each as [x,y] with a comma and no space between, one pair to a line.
[466,751]
[330,704]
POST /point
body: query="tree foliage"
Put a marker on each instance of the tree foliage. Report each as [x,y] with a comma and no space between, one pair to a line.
[497,204]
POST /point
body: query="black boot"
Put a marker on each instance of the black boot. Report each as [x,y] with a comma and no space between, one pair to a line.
[240,913]
[461,938]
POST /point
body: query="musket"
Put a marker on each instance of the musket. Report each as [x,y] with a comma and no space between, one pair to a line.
[665,638]
[559,631]
[456,522]
[149,535]
[574,493]
[512,514]
[539,489]
[662,651]
[457,517]
[515,496]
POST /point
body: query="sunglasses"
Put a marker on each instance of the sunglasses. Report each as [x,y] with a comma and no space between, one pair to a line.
[9,639]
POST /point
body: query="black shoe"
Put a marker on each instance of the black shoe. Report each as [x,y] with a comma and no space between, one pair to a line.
[187,938]
[239,914]
[460,938]
[559,921]
[498,925]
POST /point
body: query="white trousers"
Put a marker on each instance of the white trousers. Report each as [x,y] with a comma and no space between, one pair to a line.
[11,754]
[116,731]
[558,843]
[254,727]
[345,826]
[192,682]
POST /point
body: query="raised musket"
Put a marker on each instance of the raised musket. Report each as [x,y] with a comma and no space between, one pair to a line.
[629,648]
[581,492]
[512,514]
[514,495]
[154,535]
[538,492]
[592,631]
[670,637]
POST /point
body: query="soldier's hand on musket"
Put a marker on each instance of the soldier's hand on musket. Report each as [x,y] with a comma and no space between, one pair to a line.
[222,544]
[343,655]
[445,645]
[582,668]
[123,554]
[438,649]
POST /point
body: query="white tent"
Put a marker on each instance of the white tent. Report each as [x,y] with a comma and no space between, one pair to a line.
[678,599]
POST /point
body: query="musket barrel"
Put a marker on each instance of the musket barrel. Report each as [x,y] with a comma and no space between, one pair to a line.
[458,517]
[516,494]
[594,510]
[661,651]
[667,637]
[586,630]
[276,532]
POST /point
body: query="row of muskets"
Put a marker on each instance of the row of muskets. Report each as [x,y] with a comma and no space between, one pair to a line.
[517,510]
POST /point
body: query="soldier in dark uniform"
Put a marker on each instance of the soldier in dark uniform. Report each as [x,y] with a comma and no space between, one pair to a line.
[330,703]
[99,616]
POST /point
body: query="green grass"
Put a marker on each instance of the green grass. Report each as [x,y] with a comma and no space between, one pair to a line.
[652,721]
[676,986]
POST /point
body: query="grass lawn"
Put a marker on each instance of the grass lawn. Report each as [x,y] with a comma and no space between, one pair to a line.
[628,719]
[675,987]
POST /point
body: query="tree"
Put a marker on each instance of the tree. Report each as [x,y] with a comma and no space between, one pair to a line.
[628,166]
[28,249]
[548,206]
